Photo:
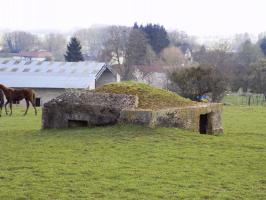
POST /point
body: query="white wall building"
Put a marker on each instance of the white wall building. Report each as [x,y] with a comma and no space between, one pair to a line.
[152,75]
[50,79]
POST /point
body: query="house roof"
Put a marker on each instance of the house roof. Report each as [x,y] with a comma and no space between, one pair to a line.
[105,67]
[35,54]
[44,74]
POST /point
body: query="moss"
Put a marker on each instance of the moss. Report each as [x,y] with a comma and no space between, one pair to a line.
[149,97]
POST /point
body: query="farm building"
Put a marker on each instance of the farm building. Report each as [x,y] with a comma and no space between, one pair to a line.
[50,79]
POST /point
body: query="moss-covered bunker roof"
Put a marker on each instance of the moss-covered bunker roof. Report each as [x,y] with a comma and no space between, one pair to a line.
[149,97]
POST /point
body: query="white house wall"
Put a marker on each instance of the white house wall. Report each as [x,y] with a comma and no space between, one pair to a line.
[106,77]
[49,79]
[154,79]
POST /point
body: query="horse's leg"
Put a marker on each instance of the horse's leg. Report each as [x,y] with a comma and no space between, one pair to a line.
[33,105]
[27,104]
[10,106]
[5,106]
[1,109]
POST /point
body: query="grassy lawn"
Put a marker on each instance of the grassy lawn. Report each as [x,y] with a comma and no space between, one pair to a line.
[133,162]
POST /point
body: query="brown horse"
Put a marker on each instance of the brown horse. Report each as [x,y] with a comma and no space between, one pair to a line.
[1,101]
[18,95]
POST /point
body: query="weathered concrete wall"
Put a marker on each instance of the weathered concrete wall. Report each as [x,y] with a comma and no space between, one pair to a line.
[138,116]
[189,117]
[93,109]
[186,117]
[89,107]
[59,116]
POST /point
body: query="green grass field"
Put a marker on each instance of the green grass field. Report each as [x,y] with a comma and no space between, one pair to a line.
[133,162]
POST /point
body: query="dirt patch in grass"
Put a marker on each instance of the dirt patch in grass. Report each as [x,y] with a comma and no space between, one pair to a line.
[149,97]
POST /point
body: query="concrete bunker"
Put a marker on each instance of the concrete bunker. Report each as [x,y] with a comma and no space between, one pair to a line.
[202,118]
[108,109]
[77,123]
[87,108]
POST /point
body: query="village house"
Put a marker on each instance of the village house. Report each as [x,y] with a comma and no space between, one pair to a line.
[50,79]
[155,76]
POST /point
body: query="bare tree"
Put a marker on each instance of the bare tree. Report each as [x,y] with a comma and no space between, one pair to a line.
[137,48]
[115,46]
[257,77]
[238,41]
[138,53]
[182,40]
[173,56]
[56,44]
[92,40]
[178,37]
[18,40]
[219,56]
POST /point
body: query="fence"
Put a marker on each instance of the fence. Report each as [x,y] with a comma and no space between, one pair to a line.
[245,99]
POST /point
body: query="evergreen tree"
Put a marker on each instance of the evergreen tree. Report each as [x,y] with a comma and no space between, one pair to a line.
[73,53]
[136,48]
[136,26]
[156,35]
[263,46]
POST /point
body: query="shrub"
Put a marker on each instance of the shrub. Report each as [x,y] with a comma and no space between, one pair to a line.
[197,81]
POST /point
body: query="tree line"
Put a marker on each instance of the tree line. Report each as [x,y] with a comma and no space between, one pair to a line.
[192,69]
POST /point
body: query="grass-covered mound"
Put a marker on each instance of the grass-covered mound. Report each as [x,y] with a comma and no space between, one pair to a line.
[149,97]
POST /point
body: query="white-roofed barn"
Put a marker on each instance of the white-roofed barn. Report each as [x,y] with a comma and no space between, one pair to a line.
[50,79]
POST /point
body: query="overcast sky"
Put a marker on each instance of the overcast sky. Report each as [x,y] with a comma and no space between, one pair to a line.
[197,17]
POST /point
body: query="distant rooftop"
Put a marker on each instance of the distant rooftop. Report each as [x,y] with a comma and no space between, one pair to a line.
[45,74]
[35,54]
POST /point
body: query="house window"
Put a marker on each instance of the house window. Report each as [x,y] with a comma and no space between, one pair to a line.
[26,70]
[14,69]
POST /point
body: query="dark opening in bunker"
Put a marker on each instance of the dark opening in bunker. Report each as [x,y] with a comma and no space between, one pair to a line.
[38,102]
[203,124]
[77,123]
